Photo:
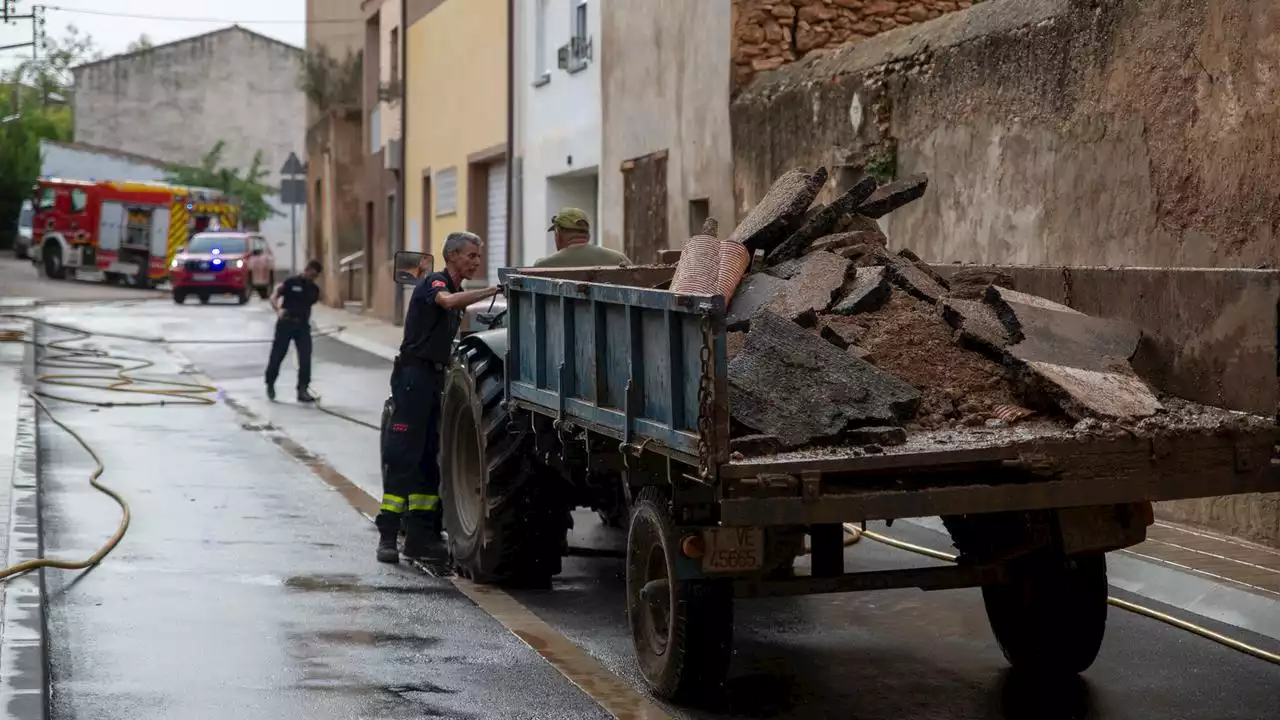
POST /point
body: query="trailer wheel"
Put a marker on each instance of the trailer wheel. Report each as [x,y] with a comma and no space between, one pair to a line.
[204,298]
[53,266]
[506,523]
[682,631]
[179,296]
[1049,616]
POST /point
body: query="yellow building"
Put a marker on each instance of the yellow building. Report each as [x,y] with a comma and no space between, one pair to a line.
[455,160]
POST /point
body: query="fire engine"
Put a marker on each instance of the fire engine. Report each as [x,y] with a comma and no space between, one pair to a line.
[129,230]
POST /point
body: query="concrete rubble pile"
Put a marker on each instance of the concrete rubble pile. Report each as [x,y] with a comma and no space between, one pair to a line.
[837,340]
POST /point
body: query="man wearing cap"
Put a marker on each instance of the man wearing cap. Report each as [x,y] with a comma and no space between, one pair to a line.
[573,244]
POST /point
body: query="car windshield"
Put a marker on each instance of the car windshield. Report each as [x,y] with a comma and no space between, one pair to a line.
[218,244]
[24,217]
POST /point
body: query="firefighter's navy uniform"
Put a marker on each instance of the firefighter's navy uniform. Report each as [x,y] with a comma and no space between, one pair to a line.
[297,295]
[411,441]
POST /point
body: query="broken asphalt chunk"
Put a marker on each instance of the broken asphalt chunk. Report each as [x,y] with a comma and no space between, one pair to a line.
[971,283]
[978,325]
[782,210]
[1085,393]
[824,222]
[908,276]
[1045,331]
[754,292]
[789,383]
[890,197]
[868,291]
[811,291]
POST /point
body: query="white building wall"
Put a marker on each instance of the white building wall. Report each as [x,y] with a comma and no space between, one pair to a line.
[558,116]
[61,161]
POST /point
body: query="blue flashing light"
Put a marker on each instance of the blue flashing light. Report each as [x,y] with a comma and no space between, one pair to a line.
[215,251]
[216,261]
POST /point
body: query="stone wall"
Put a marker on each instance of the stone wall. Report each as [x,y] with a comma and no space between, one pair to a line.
[1055,132]
[770,33]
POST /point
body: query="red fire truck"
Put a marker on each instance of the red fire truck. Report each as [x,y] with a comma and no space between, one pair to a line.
[128,230]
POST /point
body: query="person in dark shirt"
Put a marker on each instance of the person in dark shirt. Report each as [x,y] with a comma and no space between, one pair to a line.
[411,438]
[292,302]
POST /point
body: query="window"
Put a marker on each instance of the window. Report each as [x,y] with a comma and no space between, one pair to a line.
[541,72]
[446,184]
[579,42]
[48,198]
[79,199]
[217,244]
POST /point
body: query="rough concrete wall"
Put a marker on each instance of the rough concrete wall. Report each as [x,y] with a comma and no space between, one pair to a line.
[1119,132]
[378,185]
[770,33]
[176,101]
[665,67]
[336,147]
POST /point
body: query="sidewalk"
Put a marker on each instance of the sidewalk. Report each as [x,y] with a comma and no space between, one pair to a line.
[22,625]
[374,336]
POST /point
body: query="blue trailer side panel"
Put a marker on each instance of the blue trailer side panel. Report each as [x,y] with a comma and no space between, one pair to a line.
[622,361]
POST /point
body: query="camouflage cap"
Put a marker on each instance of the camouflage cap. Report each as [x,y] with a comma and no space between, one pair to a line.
[570,219]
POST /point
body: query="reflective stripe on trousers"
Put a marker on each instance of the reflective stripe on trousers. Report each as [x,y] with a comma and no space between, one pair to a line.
[417,502]
[392,503]
[423,502]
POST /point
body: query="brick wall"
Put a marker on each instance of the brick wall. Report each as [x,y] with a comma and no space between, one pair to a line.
[771,33]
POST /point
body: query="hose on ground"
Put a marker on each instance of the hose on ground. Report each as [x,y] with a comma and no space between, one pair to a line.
[98,469]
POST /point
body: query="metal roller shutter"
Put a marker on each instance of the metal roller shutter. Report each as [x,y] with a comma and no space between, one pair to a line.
[496,242]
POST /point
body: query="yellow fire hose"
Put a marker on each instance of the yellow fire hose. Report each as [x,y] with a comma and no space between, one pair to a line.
[192,394]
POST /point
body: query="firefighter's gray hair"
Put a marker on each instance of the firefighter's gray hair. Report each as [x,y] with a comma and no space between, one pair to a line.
[458,240]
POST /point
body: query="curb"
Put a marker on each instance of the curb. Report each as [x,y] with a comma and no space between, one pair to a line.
[369,346]
[23,630]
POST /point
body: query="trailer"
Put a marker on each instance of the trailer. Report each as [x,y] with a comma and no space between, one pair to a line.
[606,391]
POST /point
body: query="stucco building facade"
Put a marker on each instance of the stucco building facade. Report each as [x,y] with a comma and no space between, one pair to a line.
[456,151]
[383,154]
[176,101]
[558,118]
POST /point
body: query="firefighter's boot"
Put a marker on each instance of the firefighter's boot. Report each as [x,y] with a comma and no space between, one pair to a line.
[388,529]
[422,535]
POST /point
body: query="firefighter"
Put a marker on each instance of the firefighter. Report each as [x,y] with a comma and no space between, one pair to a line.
[410,442]
[292,302]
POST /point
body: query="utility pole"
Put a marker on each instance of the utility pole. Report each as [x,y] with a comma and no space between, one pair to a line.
[9,15]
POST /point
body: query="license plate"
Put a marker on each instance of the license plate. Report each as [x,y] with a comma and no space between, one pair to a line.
[202,277]
[733,549]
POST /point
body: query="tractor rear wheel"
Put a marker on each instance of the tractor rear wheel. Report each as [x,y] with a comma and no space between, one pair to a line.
[506,522]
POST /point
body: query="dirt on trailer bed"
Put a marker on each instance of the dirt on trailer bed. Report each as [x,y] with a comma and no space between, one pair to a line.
[1181,419]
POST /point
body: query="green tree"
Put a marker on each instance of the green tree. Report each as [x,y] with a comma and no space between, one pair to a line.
[19,168]
[50,71]
[248,189]
[329,82]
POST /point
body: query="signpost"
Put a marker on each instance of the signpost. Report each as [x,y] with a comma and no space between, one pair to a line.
[293,192]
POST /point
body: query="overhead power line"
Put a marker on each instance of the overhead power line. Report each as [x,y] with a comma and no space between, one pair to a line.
[188,18]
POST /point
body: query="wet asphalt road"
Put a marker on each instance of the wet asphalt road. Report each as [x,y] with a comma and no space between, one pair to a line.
[246,582]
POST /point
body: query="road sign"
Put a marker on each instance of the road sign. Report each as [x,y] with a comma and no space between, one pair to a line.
[293,192]
[292,166]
